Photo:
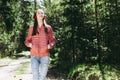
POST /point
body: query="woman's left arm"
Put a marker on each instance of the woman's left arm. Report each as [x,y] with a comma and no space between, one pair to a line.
[51,38]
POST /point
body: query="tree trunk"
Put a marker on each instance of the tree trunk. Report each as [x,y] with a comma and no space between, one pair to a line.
[97,31]
[35,4]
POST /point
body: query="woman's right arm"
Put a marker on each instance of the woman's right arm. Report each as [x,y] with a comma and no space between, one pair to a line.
[28,40]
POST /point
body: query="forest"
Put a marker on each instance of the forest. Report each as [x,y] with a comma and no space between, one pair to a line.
[87,33]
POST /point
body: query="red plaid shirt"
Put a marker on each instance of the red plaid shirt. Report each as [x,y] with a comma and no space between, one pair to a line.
[40,41]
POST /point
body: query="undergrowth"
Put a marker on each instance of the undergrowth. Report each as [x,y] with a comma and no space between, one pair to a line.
[94,72]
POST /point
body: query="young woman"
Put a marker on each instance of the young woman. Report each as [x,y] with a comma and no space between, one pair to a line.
[40,39]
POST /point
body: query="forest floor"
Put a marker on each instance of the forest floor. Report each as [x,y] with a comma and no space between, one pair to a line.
[20,69]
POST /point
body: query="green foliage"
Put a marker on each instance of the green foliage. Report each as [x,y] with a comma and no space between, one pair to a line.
[8,44]
[94,72]
[15,18]
[79,37]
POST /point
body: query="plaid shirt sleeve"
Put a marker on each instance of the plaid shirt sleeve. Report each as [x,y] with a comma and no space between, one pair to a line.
[51,37]
[29,37]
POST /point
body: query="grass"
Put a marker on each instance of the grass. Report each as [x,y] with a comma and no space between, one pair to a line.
[23,68]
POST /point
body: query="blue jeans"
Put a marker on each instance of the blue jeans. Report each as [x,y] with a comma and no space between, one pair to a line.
[39,67]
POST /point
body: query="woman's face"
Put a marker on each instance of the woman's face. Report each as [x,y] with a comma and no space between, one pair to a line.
[40,14]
